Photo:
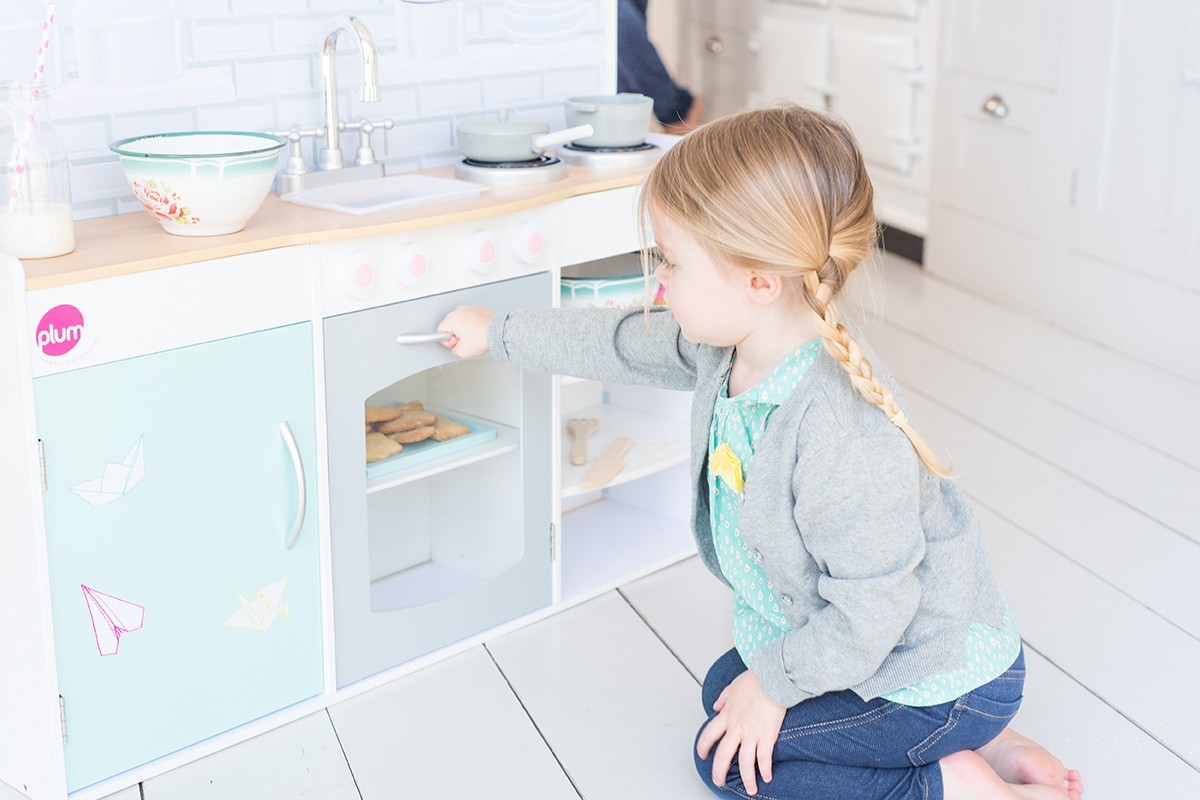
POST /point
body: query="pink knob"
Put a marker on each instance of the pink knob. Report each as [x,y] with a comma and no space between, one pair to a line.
[417,266]
[487,252]
[535,242]
[364,275]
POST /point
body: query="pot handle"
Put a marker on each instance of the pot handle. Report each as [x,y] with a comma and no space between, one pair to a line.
[563,136]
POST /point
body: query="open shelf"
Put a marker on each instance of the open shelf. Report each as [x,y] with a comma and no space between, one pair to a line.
[658,443]
[607,543]
[507,439]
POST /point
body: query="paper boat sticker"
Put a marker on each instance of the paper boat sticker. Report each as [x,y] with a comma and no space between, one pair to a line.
[111,617]
[116,480]
[261,612]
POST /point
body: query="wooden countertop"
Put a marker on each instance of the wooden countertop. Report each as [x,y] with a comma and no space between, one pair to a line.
[129,243]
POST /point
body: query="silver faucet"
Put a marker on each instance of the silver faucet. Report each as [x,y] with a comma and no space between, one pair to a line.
[331,153]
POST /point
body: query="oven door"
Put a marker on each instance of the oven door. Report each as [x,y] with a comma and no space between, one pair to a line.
[445,538]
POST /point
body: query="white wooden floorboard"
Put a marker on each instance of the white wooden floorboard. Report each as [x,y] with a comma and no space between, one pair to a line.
[1122,392]
[1133,659]
[1118,760]
[299,760]
[1099,532]
[618,709]
[452,730]
[689,610]
[1150,481]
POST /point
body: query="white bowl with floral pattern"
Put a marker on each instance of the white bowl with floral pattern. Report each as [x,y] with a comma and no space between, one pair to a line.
[203,183]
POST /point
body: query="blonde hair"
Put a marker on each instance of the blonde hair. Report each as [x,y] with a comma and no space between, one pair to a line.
[783,190]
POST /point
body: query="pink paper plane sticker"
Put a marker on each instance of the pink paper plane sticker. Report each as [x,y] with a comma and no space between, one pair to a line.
[111,617]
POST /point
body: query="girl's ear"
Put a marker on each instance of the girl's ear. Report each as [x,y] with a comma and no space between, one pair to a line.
[765,288]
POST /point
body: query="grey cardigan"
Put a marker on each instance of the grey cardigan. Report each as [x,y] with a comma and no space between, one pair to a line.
[879,565]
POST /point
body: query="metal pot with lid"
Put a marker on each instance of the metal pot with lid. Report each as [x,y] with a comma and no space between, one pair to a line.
[619,120]
[513,141]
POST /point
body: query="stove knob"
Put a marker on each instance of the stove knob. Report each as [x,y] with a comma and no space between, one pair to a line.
[528,242]
[413,265]
[480,251]
[360,275]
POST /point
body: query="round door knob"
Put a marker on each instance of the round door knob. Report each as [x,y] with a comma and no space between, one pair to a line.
[413,265]
[995,106]
[481,252]
[529,243]
[714,45]
[360,275]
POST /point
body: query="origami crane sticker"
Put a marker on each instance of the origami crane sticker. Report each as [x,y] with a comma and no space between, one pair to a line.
[111,617]
[261,612]
[116,480]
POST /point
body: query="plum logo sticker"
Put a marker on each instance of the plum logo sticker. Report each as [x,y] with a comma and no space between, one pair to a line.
[60,330]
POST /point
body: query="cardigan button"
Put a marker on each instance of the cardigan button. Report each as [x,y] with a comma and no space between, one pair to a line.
[756,555]
[742,498]
[786,599]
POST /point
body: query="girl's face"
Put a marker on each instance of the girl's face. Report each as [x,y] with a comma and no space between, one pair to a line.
[709,300]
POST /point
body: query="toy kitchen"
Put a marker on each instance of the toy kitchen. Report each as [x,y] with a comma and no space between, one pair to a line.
[241,478]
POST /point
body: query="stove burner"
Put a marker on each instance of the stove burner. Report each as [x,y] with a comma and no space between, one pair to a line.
[582,148]
[541,161]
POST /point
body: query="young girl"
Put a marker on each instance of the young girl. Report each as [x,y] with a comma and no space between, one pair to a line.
[874,656]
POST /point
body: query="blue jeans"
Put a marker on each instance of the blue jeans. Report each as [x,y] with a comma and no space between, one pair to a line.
[838,746]
[641,70]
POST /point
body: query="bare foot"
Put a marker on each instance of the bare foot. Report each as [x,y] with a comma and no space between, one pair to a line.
[966,776]
[1019,759]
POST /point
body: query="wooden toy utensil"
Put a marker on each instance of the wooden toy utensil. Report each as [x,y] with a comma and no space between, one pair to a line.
[608,465]
[580,429]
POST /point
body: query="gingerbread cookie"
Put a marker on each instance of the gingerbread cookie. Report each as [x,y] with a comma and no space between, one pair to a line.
[414,435]
[408,421]
[380,447]
[445,428]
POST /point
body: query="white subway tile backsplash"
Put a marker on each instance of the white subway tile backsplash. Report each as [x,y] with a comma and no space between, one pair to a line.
[222,39]
[85,138]
[512,90]
[268,78]
[254,116]
[126,125]
[419,137]
[101,180]
[253,65]
[450,96]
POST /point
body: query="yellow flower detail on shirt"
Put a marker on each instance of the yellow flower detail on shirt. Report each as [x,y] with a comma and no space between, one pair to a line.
[725,464]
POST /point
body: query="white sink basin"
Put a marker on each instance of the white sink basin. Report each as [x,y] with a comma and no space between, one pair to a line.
[384,194]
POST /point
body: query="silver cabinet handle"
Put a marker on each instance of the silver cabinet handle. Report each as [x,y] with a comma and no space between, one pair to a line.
[995,106]
[289,440]
[422,338]
[714,45]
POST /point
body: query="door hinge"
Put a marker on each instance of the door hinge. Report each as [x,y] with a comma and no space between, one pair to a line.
[553,546]
[42,463]
[62,716]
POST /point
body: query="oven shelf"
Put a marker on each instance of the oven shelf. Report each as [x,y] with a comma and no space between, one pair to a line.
[507,439]
[607,543]
[658,443]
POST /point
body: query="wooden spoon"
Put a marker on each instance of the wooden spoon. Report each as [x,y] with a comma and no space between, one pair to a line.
[581,428]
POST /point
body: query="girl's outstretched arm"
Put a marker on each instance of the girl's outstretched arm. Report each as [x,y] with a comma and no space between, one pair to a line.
[468,329]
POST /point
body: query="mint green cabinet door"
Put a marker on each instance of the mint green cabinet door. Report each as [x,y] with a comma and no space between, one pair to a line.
[179,611]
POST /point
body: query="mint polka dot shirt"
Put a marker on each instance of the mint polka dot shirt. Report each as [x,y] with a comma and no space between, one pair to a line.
[737,424]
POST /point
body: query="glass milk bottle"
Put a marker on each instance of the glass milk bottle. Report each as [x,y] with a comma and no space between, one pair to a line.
[35,187]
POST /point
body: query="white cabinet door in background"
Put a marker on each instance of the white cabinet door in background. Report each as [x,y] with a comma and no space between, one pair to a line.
[794,58]
[1137,189]
[1017,40]
[876,77]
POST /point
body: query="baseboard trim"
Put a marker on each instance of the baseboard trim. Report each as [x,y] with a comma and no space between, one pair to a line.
[902,243]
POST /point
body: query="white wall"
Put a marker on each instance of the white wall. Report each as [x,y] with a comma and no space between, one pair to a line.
[252,65]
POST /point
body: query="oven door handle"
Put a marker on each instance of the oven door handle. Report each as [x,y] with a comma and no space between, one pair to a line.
[422,338]
[289,440]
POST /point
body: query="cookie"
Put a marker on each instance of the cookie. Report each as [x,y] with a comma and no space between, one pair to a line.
[414,435]
[446,428]
[383,413]
[408,421]
[380,447]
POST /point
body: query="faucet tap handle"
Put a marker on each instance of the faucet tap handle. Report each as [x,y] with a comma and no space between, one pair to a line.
[365,155]
[295,136]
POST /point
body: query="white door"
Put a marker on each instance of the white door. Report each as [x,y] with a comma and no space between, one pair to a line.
[1137,186]
[1017,40]
[794,58]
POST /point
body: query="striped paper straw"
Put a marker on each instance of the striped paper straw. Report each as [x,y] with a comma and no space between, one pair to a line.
[38,76]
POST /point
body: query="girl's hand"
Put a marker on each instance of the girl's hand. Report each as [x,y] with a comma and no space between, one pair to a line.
[747,724]
[468,329]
